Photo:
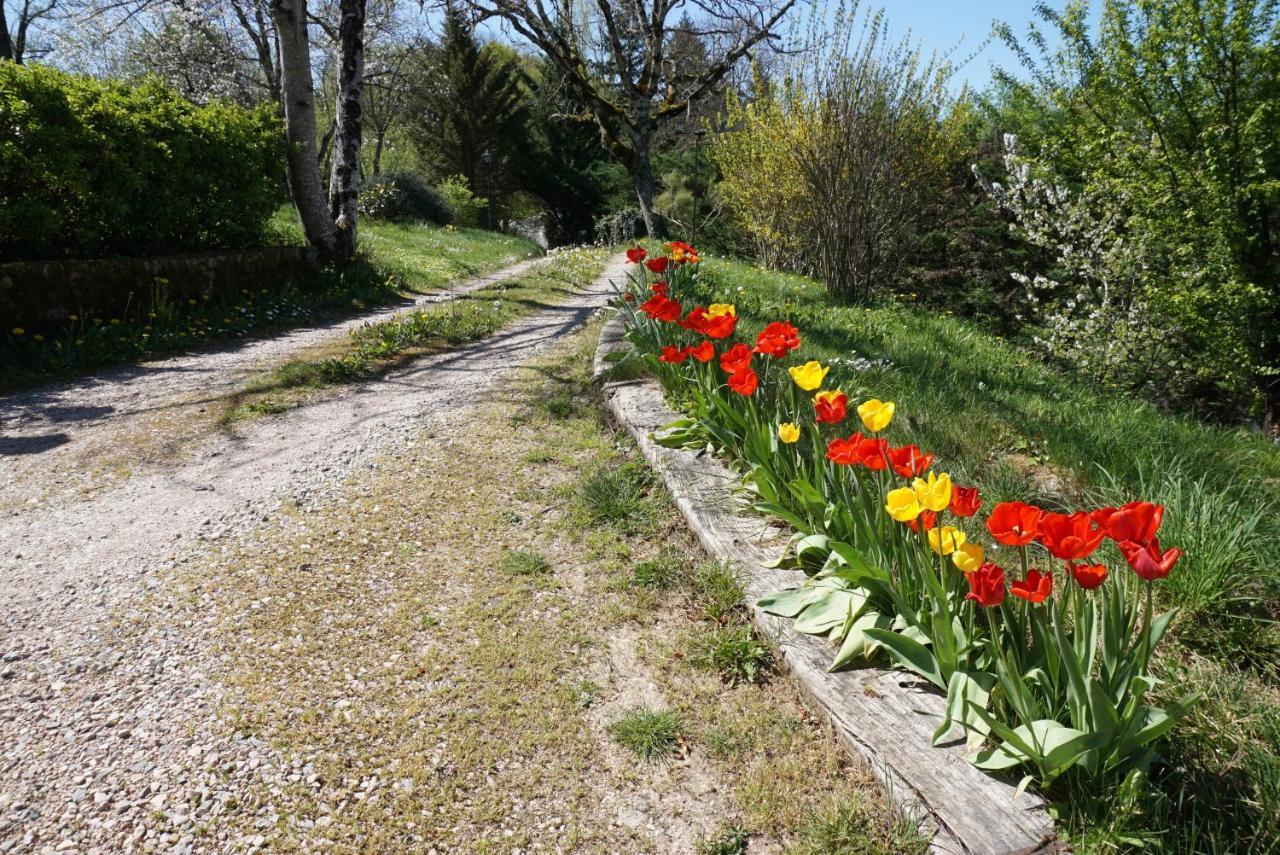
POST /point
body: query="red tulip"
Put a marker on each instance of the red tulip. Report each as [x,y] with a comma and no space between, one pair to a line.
[1036,588]
[964,501]
[778,339]
[661,308]
[702,352]
[657,265]
[1136,521]
[696,320]
[636,254]
[660,287]
[1088,576]
[928,519]
[986,585]
[1014,523]
[1070,537]
[844,451]
[721,326]
[629,297]
[909,461]
[744,381]
[1147,560]
[735,358]
[674,355]
[871,453]
[830,407]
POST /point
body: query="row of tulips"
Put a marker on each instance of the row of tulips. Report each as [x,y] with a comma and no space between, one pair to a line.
[1041,645]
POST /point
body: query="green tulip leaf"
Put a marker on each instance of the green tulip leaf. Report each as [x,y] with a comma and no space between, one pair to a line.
[909,653]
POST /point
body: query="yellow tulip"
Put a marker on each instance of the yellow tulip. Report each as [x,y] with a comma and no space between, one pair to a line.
[968,557]
[788,432]
[902,504]
[876,414]
[808,376]
[934,494]
[715,310]
[18,330]
[946,540]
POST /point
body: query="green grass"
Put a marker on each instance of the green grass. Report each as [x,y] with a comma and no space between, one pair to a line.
[524,562]
[999,418]
[846,830]
[396,260]
[619,495]
[733,652]
[651,734]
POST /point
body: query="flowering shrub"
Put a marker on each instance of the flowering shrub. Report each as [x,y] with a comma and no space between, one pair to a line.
[1027,619]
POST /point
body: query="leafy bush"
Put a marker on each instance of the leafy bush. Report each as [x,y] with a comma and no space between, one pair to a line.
[404,196]
[467,207]
[101,168]
[619,227]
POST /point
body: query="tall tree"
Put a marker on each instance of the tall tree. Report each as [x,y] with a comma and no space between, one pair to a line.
[639,89]
[344,181]
[471,99]
[298,98]
[16,46]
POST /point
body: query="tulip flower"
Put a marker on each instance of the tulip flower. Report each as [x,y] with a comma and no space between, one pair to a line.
[968,557]
[696,320]
[703,352]
[722,320]
[735,358]
[986,585]
[928,519]
[788,432]
[1088,576]
[674,355]
[935,493]
[1135,521]
[871,453]
[1014,523]
[744,381]
[657,265]
[636,254]
[946,540]
[778,339]
[719,310]
[844,451]
[808,376]
[964,501]
[661,308]
[876,414]
[629,297]
[830,407]
[902,504]
[1036,588]
[1147,560]
[661,287]
[1070,537]
[909,461]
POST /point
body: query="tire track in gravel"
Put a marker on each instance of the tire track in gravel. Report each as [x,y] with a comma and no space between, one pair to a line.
[63,435]
[91,737]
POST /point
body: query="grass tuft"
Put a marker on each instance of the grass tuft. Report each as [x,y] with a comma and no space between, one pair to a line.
[618,496]
[524,562]
[730,841]
[734,652]
[651,734]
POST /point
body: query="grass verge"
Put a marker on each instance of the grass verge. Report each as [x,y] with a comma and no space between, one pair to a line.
[396,260]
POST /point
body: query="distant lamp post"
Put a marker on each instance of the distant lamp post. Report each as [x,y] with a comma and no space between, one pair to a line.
[487,159]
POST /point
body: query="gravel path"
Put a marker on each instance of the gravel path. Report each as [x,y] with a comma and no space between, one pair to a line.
[104,745]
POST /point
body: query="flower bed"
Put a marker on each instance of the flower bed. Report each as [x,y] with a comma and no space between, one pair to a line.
[1041,638]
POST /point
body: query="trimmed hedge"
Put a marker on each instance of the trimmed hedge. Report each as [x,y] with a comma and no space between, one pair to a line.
[399,196]
[93,168]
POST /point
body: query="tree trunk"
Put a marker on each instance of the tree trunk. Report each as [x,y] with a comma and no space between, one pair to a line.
[642,179]
[298,98]
[377,151]
[344,181]
[6,46]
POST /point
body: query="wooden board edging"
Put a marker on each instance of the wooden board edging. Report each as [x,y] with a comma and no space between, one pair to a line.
[885,717]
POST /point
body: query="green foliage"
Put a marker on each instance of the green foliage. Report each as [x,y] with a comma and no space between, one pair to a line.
[467,208]
[849,830]
[653,735]
[733,652]
[1169,110]
[99,168]
[619,496]
[731,841]
[405,196]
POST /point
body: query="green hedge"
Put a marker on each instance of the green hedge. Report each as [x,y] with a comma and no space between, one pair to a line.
[93,168]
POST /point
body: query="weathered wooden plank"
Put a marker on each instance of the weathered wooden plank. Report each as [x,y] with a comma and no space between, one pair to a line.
[886,717]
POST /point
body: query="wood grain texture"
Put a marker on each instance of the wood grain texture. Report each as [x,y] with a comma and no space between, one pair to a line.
[886,717]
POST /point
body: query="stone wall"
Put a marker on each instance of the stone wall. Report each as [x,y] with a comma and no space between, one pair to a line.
[42,294]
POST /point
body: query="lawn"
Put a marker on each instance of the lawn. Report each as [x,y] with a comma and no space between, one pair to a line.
[999,418]
[397,260]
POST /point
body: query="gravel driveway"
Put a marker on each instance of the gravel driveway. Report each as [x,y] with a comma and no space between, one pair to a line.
[103,715]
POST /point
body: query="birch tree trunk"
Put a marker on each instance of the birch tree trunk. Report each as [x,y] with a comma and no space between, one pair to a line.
[344,180]
[298,100]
